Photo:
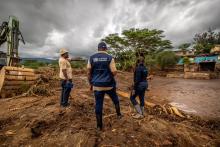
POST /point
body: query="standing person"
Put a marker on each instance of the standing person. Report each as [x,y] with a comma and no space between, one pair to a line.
[101,72]
[140,85]
[65,76]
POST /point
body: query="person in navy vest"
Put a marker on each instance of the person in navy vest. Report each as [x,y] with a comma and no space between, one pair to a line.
[140,85]
[101,72]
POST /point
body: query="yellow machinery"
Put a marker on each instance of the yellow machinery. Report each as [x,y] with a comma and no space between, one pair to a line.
[12,77]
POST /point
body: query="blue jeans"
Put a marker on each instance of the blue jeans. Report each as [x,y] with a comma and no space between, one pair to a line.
[140,92]
[65,93]
[99,99]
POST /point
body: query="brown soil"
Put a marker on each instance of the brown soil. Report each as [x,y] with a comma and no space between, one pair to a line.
[200,97]
[39,121]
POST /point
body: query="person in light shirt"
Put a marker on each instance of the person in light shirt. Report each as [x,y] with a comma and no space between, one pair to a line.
[65,76]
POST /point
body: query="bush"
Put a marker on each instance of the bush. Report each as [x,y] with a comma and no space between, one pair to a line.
[125,60]
[78,64]
[34,64]
[54,64]
[166,59]
[186,60]
[151,62]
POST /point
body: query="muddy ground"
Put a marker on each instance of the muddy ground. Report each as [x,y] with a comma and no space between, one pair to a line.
[200,97]
[39,121]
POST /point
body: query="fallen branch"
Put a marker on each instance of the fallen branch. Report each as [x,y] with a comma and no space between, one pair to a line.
[168,110]
[176,111]
[127,95]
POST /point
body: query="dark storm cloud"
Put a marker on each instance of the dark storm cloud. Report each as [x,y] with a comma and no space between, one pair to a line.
[78,25]
[195,18]
[99,30]
[106,3]
[37,18]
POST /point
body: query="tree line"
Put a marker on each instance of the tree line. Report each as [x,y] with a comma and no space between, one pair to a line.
[151,44]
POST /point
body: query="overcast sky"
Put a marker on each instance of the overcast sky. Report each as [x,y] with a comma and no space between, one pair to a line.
[78,25]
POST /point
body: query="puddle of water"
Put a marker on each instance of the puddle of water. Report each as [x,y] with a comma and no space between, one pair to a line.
[183,107]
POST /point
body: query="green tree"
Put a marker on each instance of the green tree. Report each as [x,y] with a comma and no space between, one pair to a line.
[183,47]
[128,45]
[125,59]
[34,64]
[141,41]
[205,41]
[166,59]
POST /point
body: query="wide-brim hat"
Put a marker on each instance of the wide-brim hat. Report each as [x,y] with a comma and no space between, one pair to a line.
[63,51]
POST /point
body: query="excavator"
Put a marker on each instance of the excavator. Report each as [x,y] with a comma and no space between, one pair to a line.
[12,75]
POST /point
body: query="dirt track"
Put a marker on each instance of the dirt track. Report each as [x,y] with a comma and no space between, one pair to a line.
[39,121]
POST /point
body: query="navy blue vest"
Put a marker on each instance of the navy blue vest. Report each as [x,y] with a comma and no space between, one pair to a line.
[101,72]
[140,74]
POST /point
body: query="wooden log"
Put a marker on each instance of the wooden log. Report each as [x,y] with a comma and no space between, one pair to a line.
[20,78]
[176,112]
[2,78]
[172,110]
[127,95]
[123,94]
[18,69]
[13,78]
[20,73]
[12,87]
[9,83]
[2,95]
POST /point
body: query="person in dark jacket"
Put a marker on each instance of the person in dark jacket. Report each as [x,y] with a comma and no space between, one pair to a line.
[101,72]
[140,85]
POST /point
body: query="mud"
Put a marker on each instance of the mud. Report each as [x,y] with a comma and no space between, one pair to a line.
[200,97]
[39,121]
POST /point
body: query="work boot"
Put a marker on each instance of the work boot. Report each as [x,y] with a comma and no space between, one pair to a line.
[118,111]
[99,122]
[133,111]
[142,110]
[138,109]
[139,112]
[138,116]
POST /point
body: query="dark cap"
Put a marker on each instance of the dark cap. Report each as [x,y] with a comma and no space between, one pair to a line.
[102,45]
